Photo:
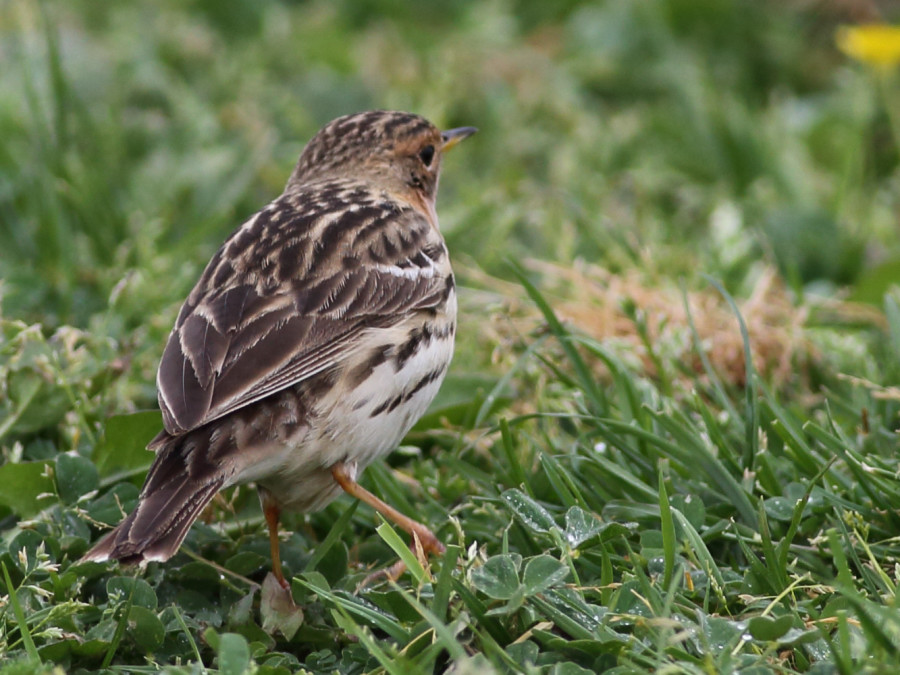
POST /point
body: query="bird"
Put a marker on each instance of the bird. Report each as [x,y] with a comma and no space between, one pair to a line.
[317,335]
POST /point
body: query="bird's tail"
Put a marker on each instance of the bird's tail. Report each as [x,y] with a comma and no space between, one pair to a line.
[182,481]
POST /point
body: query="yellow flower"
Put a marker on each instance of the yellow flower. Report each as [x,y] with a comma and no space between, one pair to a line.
[875,44]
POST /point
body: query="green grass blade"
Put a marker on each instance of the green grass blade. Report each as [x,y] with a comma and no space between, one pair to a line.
[784,546]
[20,618]
[586,378]
[751,410]
[334,534]
[717,387]
[443,587]
[773,565]
[513,465]
[844,575]
[392,539]
[701,552]
[346,622]
[120,628]
[188,636]
[872,626]
[353,606]
[441,630]
[668,530]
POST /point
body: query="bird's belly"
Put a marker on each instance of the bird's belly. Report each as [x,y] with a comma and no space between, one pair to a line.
[357,422]
[371,419]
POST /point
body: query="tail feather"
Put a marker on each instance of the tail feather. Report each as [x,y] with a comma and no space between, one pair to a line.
[151,534]
[180,483]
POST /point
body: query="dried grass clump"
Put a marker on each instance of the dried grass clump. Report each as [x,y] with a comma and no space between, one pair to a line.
[599,304]
[626,313]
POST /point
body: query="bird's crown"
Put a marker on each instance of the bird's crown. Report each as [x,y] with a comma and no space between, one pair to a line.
[352,140]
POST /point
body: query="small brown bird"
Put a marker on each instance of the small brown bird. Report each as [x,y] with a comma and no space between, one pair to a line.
[316,337]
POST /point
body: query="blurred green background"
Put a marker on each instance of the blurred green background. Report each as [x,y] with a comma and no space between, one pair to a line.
[134,136]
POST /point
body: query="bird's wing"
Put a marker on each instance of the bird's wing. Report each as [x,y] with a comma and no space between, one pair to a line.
[290,294]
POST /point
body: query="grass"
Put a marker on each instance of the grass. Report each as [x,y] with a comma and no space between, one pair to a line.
[669,439]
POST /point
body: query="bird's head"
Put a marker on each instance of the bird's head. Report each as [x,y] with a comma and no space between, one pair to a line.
[398,152]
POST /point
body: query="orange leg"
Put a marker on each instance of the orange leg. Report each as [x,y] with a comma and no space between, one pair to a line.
[272,514]
[421,534]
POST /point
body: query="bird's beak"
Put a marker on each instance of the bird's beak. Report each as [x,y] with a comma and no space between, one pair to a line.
[453,136]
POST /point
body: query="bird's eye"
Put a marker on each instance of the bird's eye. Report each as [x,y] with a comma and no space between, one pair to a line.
[427,154]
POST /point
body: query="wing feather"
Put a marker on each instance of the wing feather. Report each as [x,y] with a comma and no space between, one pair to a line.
[273,307]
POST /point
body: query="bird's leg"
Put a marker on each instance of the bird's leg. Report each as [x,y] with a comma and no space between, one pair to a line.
[422,536]
[272,514]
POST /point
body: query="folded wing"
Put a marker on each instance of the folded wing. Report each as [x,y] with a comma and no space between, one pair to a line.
[289,294]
